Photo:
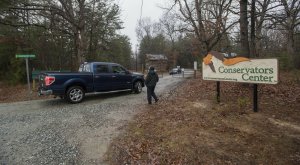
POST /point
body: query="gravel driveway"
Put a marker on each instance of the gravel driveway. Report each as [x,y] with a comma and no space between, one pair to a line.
[55,132]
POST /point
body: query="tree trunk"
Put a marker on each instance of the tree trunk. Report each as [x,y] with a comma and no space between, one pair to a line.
[253,40]
[291,49]
[292,11]
[80,48]
[244,29]
[259,26]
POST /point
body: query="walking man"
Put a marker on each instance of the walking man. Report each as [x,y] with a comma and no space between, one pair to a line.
[151,80]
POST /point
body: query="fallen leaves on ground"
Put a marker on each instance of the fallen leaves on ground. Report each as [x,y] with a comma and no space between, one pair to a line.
[15,93]
[188,126]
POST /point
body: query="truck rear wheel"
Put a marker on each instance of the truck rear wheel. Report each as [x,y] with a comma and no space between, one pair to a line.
[137,88]
[75,94]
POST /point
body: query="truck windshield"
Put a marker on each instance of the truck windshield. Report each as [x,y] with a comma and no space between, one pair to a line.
[85,68]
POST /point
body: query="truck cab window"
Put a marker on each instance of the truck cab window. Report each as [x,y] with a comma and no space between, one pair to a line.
[85,68]
[118,69]
[101,69]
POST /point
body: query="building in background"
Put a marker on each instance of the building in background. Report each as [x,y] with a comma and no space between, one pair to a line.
[158,61]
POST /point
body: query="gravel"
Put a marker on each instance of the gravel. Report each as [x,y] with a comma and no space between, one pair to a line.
[55,132]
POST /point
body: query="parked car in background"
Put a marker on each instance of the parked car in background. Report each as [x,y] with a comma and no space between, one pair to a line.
[175,71]
[91,77]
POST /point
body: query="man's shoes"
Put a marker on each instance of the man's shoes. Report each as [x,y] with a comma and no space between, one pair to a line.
[156,100]
[149,103]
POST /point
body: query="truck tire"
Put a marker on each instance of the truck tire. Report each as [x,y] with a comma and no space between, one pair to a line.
[137,87]
[75,94]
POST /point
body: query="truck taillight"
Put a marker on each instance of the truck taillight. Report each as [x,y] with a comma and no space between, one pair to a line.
[49,80]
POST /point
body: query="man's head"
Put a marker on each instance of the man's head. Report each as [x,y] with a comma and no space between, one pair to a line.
[151,68]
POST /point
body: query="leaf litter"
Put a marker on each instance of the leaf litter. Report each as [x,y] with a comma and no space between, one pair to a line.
[188,126]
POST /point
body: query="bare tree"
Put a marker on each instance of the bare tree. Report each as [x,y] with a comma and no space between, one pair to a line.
[170,26]
[147,31]
[262,7]
[72,12]
[208,19]
[288,19]
[147,28]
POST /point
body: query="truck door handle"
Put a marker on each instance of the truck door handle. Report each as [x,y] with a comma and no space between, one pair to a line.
[113,76]
[96,76]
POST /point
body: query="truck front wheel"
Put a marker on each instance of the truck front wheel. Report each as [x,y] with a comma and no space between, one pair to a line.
[75,94]
[137,87]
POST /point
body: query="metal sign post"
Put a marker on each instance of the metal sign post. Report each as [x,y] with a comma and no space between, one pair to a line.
[26,56]
[27,72]
[218,91]
[255,98]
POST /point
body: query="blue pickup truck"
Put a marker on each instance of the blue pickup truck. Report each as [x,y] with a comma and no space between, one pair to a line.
[92,77]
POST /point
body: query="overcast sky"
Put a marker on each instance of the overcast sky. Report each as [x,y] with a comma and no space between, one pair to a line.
[130,14]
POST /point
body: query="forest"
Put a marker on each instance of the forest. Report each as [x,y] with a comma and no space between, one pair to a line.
[65,33]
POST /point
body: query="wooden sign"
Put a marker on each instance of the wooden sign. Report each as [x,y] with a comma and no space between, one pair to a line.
[239,69]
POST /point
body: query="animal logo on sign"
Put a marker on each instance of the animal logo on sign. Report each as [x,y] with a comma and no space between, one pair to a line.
[215,58]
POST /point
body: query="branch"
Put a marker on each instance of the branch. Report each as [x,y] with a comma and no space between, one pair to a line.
[21,25]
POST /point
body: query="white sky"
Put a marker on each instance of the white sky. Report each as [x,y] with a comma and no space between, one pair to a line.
[130,14]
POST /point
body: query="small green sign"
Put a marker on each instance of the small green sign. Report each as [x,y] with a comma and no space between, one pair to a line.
[25,56]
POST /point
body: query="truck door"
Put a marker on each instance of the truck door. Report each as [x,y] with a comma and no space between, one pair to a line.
[102,78]
[121,78]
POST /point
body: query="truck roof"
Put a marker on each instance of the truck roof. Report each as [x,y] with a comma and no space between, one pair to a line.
[110,63]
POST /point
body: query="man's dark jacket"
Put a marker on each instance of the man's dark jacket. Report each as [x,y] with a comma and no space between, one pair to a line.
[151,79]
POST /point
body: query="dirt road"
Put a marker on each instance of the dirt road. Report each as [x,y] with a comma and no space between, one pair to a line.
[55,132]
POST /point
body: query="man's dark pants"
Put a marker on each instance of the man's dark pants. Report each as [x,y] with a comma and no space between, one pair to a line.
[150,94]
